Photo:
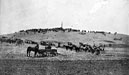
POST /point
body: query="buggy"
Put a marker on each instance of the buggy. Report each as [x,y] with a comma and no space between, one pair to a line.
[48,51]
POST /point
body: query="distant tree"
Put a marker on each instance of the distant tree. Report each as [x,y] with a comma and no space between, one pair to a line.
[4,37]
[117,38]
[21,31]
[115,33]
[110,45]
[83,30]
[101,32]
[109,32]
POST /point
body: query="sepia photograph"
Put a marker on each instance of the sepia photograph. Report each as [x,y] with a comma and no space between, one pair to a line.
[64,37]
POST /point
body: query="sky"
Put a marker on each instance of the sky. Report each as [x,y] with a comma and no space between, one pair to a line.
[94,15]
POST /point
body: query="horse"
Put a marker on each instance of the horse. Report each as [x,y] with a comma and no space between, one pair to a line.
[89,48]
[98,49]
[34,49]
[68,47]
[77,49]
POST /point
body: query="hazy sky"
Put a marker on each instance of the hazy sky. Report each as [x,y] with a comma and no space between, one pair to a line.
[105,15]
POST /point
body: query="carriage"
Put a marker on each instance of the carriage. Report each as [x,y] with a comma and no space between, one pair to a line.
[47,51]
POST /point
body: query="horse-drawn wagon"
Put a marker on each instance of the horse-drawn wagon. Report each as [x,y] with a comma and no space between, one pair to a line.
[44,52]
[47,52]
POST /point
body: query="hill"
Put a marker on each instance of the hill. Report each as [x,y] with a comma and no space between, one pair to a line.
[70,35]
[11,44]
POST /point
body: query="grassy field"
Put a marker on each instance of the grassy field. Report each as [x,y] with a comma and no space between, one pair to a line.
[66,67]
[13,61]
[19,52]
[113,61]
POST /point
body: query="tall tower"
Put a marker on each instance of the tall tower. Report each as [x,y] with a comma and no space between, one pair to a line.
[61,24]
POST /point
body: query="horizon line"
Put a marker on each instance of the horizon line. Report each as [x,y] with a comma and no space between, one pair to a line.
[64,28]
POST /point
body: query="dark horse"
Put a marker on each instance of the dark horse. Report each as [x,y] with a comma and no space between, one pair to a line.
[34,49]
[68,47]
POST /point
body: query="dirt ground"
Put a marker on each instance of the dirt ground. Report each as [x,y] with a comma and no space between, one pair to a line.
[64,67]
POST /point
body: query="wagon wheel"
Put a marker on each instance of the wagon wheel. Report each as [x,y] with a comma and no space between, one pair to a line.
[51,54]
[48,53]
[54,54]
[45,53]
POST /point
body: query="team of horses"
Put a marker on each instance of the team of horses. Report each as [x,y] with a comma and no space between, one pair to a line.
[82,47]
[85,47]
